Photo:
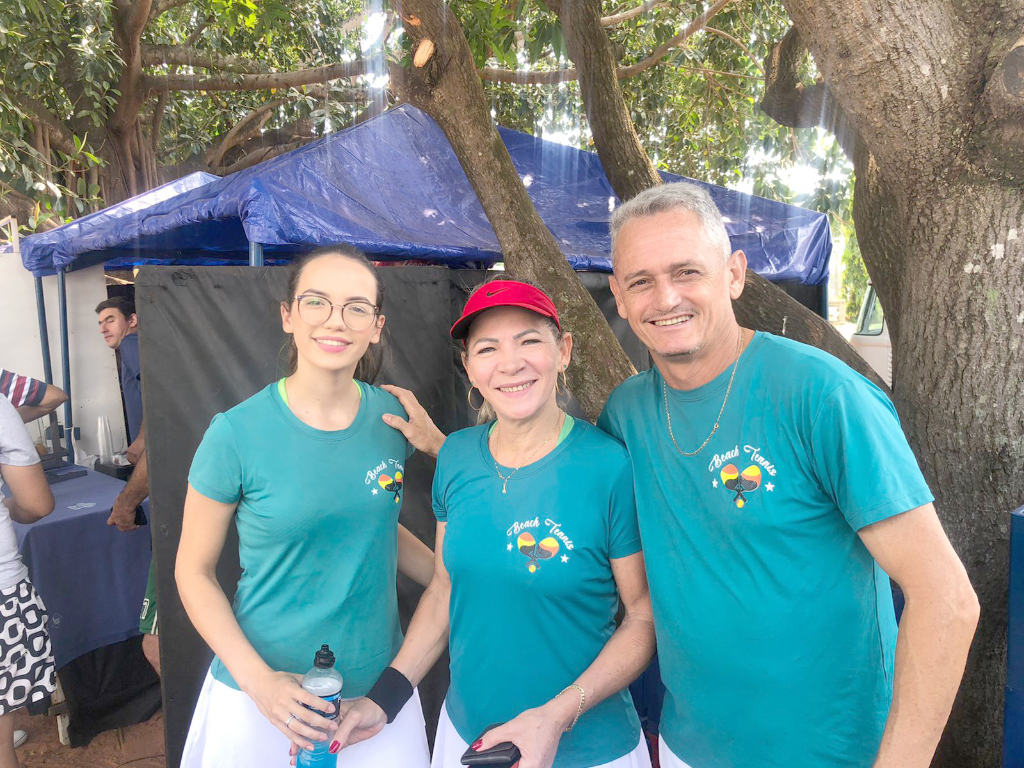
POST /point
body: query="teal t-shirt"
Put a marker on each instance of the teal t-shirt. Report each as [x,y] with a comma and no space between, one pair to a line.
[776,632]
[317,522]
[533,598]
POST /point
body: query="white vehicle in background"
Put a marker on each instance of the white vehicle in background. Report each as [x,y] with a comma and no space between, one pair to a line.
[871,337]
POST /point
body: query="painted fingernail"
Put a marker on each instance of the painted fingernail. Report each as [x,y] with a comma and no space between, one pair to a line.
[476,744]
[335,746]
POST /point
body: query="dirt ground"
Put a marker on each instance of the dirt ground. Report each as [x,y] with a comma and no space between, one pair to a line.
[140,746]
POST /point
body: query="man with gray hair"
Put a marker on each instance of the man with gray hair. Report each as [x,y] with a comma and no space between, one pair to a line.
[776,494]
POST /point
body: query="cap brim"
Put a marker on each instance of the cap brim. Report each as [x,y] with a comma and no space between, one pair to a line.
[460,330]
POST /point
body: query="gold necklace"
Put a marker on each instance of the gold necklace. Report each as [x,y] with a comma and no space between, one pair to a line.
[534,452]
[668,414]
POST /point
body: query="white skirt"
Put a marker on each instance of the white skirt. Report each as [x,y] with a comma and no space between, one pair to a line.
[228,731]
[667,757]
[449,748]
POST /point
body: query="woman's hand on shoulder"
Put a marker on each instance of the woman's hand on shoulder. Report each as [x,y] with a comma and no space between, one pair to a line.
[536,732]
[281,699]
[419,430]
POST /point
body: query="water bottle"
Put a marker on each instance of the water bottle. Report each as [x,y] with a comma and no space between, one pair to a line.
[323,681]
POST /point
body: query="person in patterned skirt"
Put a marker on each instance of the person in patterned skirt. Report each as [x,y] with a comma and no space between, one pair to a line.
[27,676]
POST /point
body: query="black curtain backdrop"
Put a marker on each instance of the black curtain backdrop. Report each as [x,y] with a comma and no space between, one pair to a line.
[211,337]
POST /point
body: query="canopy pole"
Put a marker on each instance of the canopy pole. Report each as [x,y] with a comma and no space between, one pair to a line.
[65,360]
[255,254]
[44,334]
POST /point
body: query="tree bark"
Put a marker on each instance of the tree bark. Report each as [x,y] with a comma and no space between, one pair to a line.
[961,399]
[625,162]
[448,88]
[939,215]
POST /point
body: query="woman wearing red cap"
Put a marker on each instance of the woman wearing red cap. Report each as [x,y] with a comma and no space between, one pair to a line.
[536,543]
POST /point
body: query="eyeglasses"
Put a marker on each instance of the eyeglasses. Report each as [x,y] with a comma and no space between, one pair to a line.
[316,310]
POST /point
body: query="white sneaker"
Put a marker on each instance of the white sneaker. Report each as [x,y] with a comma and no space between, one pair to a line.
[20,737]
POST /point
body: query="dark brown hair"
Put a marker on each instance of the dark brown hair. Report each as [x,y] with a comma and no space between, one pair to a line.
[125,306]
[369,365]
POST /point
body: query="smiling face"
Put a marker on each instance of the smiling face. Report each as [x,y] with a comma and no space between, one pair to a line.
[674,288]
[114,326]
[332,346]
[513,357]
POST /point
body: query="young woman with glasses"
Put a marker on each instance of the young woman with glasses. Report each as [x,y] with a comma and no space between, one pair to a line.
[312,477]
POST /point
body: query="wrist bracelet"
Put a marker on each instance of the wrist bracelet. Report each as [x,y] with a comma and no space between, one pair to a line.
[391,691]
[579,709]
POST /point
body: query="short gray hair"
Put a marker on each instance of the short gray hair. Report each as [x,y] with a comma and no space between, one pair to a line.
[672,197]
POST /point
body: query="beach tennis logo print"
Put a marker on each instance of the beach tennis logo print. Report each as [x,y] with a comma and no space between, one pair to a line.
[543,543]
[389,477]
[742,484]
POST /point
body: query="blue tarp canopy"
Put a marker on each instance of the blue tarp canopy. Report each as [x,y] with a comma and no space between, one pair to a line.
[393,187]
[65,245]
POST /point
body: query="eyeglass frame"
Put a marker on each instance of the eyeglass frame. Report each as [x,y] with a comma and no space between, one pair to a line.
[340,307]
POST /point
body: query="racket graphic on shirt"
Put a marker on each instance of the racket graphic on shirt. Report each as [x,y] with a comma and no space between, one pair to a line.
[536,551]
[741,482]
[392,485]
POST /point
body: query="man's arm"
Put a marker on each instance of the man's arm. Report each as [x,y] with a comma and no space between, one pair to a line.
[138,447]
[53,398]
[134,493]
[935,634]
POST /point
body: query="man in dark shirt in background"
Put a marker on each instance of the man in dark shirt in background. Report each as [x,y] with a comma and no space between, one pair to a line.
[118,325]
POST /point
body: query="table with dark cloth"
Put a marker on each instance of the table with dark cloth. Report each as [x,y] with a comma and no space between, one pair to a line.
[92,579]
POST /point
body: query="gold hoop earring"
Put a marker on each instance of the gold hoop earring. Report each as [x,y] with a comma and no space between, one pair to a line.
[563,381]
[469,399]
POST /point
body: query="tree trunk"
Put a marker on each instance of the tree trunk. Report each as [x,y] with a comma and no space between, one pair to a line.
[625,162]
[444,83]
[940,217]
[766,307]
[960,396]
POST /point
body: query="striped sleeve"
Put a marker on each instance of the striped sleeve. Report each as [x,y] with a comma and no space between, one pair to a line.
[21,390]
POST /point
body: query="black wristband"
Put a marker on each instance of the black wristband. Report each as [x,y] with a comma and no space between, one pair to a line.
[391,691]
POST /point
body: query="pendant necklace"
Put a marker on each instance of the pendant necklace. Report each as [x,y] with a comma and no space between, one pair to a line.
[534,452]
[668,414]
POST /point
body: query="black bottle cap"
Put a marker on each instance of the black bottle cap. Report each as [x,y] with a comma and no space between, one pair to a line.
[324,658]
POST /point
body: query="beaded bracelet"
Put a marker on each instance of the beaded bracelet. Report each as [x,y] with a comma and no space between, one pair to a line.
[579,709]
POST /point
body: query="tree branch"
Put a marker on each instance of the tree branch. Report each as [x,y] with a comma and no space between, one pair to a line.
[739,44]
[256,82]
[632,13]
[260,155]
[185,56]
[138,17]
[21,207]
[161,6]
[60,135]
[627,165]
[257,117]
[789,102]
[663,50]
[161,101]
[518,77]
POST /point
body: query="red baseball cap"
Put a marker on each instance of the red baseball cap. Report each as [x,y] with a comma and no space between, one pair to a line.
[504,293]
